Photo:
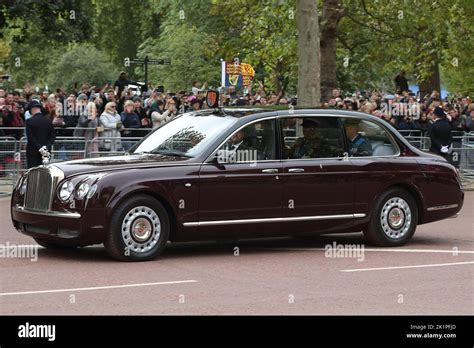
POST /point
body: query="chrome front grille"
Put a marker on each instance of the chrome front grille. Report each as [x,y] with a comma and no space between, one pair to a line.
[40,187]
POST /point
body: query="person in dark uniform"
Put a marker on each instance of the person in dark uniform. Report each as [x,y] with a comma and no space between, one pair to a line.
[358,144]
[440,133]
[313,144]
[306,146]
[40,135]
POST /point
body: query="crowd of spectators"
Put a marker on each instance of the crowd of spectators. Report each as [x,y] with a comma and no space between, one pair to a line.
[117,111]
[406,112]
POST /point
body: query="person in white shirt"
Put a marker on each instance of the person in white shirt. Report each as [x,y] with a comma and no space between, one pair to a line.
[197,87]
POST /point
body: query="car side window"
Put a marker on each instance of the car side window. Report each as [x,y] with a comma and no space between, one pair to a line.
[255,142]
[366,138]
[312,137]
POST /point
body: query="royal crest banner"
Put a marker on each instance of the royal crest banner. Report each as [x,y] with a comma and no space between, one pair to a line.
[237,74]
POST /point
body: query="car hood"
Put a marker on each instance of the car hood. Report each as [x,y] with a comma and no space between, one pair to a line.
[111,163]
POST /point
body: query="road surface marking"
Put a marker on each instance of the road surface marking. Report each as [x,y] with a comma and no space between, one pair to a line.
[404,267]
[95,288]
[452,251]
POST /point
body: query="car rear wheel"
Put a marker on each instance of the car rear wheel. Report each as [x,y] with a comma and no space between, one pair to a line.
[394,219]
[139,230]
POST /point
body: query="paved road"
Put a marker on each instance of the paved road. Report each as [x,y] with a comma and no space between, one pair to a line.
[283,276]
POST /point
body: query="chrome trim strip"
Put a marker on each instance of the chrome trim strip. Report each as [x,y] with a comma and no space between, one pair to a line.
[441,207]
[267,220]
[22,209]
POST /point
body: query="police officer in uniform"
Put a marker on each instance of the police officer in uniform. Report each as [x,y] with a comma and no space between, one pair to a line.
[440,133]
[358,144]
[40,135]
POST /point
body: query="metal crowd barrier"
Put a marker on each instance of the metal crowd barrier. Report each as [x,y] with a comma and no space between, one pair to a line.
[13,152]
[8,165]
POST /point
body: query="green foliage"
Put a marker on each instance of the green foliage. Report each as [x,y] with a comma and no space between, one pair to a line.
[383,37]
[81,64]
[264,34]
[458,70]
[29,60]
[120,27]
[377,38]
[58,20]
[192,58]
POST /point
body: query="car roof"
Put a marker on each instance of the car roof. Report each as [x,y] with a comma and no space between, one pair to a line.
[254,113]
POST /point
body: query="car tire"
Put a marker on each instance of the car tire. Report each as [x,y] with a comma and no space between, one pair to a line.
[393,219]
[53,245]
[139,229]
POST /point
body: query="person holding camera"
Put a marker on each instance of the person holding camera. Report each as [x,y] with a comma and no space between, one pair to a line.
[161,115]
[40,135]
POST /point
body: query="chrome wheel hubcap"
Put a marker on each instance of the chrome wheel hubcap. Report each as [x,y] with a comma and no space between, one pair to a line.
[395,218]
[141,229]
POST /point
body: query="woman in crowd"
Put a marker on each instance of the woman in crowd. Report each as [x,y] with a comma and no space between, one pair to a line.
[163,114]
[145,122]
[112,124]
[423,123]
[87,126]
[130,120]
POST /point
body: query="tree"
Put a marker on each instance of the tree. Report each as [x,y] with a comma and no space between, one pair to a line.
[331,15]
[82,63]
[192,57]
[417,36]
[264,34]
[37,33]
[309,93]
[120,27]
[58,20]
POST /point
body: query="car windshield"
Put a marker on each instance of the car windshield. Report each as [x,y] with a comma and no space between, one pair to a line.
[188,135]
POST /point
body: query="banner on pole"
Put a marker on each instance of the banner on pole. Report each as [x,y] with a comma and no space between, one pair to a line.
[237,74]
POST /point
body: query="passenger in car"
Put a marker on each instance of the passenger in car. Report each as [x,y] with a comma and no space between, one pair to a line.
[358,144]
[312,144]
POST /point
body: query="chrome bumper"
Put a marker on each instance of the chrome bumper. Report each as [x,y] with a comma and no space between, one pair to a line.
[22,209]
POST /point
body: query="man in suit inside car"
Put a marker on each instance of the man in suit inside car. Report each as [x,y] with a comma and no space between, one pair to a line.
[313,143]
[358,144]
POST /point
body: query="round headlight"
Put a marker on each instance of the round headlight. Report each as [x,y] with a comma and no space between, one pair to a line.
[66,191]
[83,190]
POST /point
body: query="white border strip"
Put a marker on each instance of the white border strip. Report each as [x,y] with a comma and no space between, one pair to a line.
[405,267]
[387,250]
[96,288]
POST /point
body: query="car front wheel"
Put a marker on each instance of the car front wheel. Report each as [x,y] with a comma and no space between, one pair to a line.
[139,230]
[393,220]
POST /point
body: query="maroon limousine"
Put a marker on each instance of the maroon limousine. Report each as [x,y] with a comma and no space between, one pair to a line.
[240,173]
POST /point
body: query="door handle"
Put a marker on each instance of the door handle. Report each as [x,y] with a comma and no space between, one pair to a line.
[296,170]
[270,171]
